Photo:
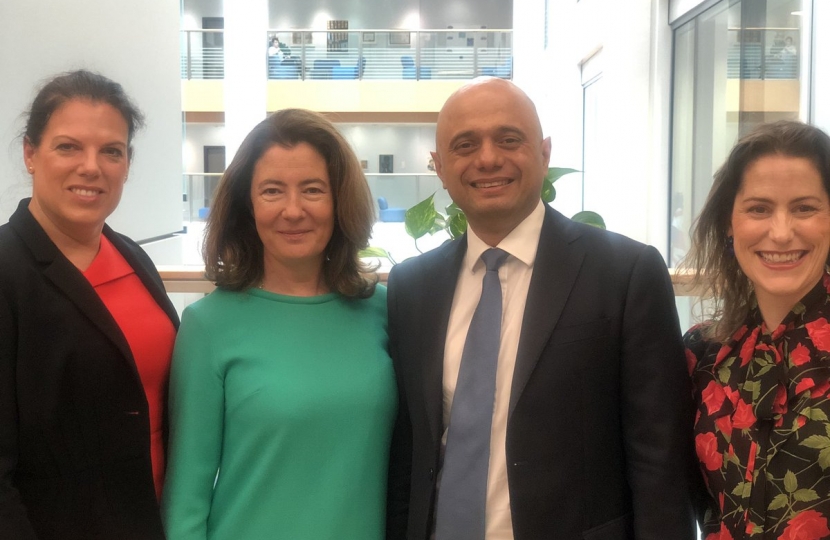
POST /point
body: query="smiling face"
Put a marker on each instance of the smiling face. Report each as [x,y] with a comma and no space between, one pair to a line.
[491,156]
[78,169]
[293,208]
[781,229]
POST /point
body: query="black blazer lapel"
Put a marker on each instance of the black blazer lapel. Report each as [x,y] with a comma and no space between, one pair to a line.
[554,273]
[69,280]
[440,280]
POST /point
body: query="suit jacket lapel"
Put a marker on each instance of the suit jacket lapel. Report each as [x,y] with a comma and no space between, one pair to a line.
[439,284]
[69,280]
[554,273]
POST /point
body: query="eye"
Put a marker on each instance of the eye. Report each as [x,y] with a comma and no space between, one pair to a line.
[314,190]
[804,209]
[113,152]
[464,146]
[270,191]
[65,147]
[757,209]
[511,141]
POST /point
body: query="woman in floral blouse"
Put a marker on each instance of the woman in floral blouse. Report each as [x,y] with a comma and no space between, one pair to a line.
[761,365]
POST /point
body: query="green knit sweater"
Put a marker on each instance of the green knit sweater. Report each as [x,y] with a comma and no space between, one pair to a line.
[281,414]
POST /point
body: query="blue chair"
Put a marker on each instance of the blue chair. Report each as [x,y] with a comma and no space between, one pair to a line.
[390,215]
[408,69]
[505,70]
[344,72]
[323,68]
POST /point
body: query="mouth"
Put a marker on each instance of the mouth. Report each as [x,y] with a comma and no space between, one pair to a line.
[86,191]
[484,184]
[779,257]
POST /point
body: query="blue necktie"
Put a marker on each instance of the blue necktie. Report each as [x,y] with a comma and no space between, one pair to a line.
[462,495]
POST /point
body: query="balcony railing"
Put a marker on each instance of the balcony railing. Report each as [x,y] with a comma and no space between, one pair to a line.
[363,54]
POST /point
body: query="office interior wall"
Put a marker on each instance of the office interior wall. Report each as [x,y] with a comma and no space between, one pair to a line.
[134,43]
[631,190]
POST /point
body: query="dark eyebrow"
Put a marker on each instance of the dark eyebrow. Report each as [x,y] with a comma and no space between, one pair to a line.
[499,130]
[74,140]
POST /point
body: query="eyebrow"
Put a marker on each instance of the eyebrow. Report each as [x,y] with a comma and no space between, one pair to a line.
[796,200]
[73,139]
[305,182]
[499,130]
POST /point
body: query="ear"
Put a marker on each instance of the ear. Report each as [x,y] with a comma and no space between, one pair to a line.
[546,146]
[28,153]
[439,168]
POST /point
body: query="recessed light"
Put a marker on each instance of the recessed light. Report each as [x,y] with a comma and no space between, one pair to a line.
[797,13]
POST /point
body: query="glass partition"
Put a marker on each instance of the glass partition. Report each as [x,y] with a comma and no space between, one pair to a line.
[735,66]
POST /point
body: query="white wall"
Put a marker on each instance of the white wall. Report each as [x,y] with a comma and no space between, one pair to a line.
[635,43]
[134,43]
[821,61]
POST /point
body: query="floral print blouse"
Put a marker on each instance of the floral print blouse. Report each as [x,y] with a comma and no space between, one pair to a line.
[762,427]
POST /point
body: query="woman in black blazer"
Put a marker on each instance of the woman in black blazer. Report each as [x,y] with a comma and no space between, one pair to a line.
[86,332]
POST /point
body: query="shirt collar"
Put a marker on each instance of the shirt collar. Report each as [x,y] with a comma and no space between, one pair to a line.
[521,243]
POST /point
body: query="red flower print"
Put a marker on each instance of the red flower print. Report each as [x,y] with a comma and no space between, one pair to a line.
[743,417]
[820,390]
[800,355]
[819,332]
[706,445]
[732,395]
[713,396]
[804,384]
[724,350]
[779,405]
[724,425]
[807,525]
[722,534]
[691,361]
[739,333]
[748,347]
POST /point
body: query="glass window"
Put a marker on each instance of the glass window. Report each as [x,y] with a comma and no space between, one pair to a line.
[735,66]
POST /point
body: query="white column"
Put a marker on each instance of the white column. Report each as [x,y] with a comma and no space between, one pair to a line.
[246,46]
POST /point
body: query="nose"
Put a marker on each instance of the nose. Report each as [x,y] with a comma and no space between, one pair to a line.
[489,156]
[781,228]
[293,209]
[89,166]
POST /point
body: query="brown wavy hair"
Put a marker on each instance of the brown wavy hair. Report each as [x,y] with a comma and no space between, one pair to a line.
[232,249]
[713,264]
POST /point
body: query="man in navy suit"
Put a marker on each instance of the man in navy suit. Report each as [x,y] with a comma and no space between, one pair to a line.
[591,423]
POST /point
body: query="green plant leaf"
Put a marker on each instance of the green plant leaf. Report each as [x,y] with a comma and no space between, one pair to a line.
[816,441]
[805,495]
[589,218]
[779,501]
[790,482]
[824,458]
[555,173]
[456,224]
[420,219]
[548,191]
[453,209]
[373,251]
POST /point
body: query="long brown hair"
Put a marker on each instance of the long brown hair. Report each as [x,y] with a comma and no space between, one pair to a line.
[232,249]
[711,259]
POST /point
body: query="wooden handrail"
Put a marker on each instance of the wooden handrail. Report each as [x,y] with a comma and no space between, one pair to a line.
[191,279]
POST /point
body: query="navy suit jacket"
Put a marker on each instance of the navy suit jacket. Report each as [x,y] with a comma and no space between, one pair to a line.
[74,424]
[599,432]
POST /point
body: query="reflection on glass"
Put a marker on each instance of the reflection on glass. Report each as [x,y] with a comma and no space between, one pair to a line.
[736,66]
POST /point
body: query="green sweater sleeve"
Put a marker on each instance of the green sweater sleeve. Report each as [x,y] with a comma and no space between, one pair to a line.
[196,406]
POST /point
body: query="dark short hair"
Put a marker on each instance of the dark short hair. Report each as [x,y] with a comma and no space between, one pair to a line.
[79,84]
[714,266]
[232,249]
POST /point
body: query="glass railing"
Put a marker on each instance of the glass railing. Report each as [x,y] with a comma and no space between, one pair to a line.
[362,54]
[763,53]
[202,54]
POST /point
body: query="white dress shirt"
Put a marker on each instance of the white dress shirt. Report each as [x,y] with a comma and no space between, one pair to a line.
[514,275]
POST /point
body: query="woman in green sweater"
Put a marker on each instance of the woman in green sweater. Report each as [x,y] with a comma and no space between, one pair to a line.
[282,393]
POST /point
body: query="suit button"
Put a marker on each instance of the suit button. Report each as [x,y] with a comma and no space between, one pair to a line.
[431,473]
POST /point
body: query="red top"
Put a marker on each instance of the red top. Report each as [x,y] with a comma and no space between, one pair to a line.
[148,331]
